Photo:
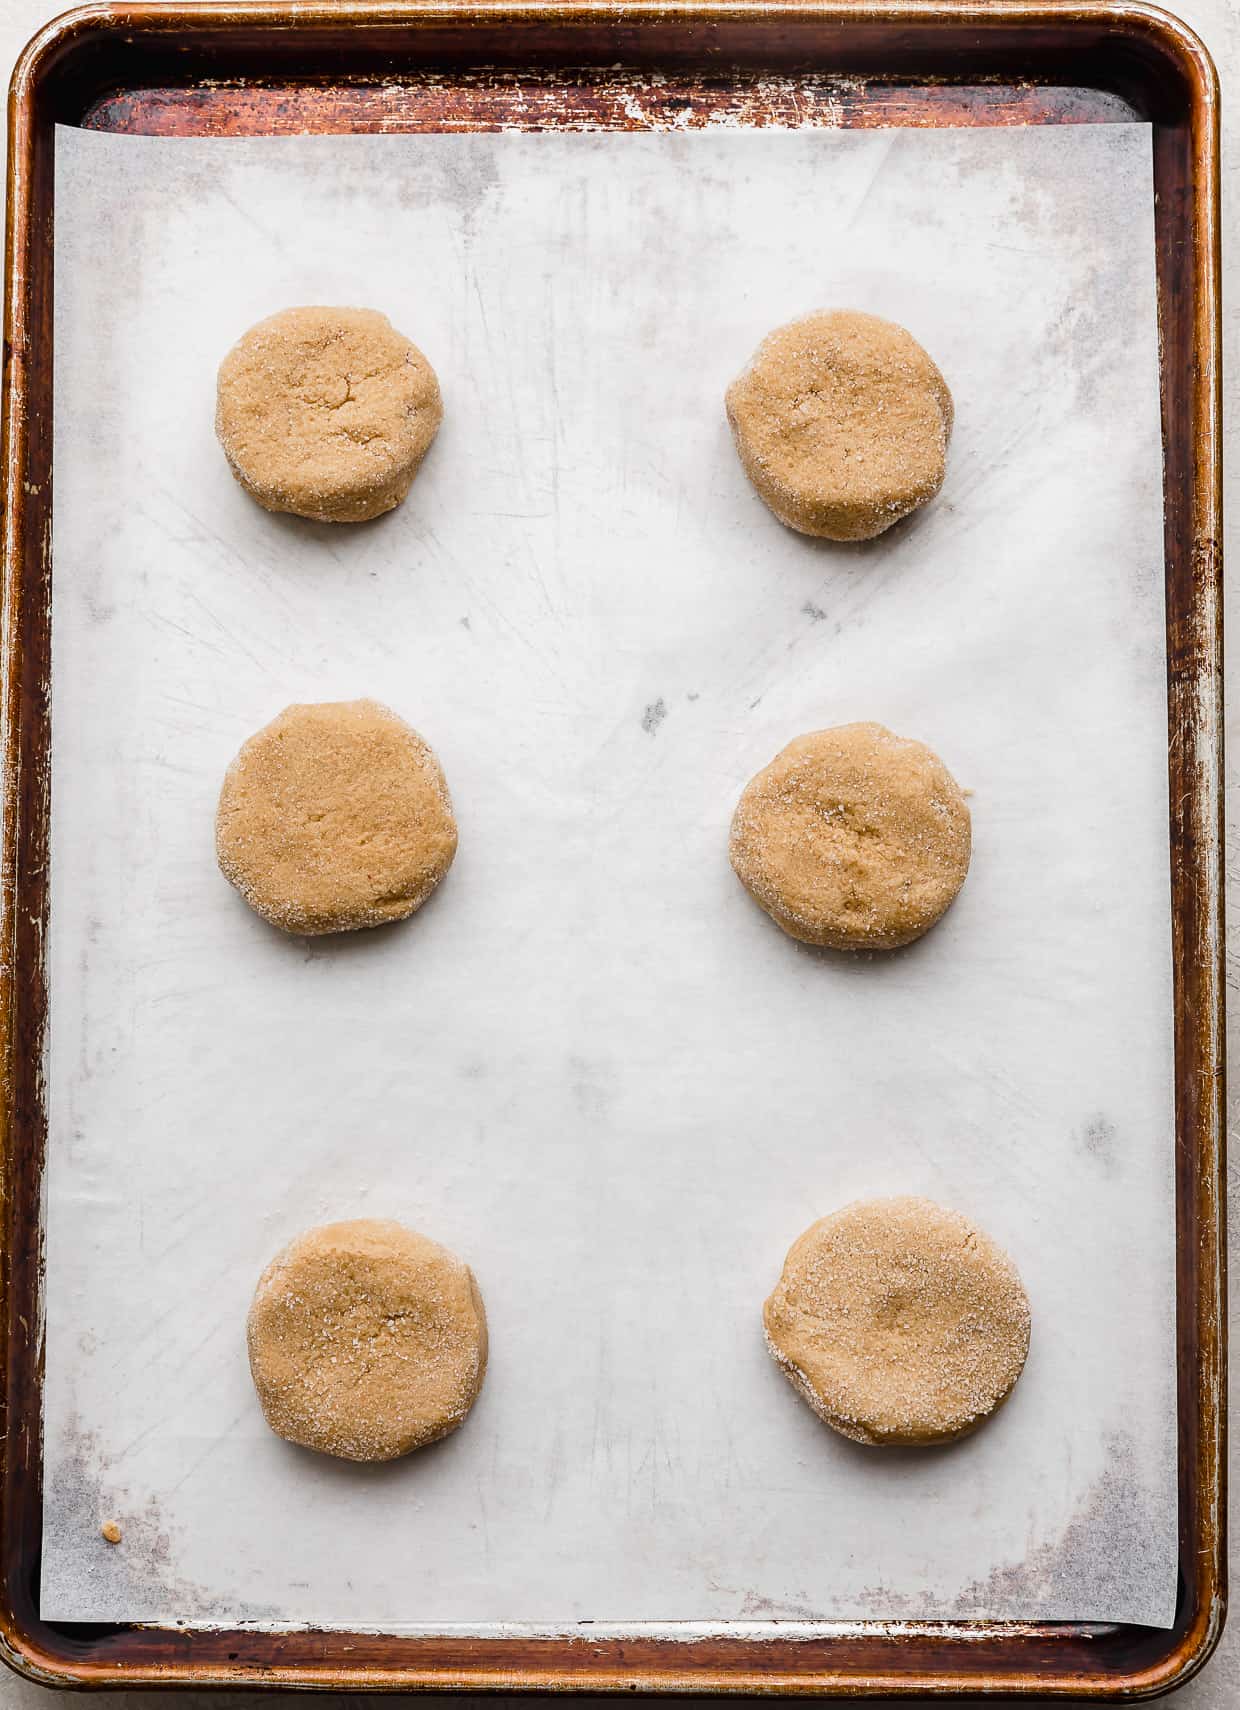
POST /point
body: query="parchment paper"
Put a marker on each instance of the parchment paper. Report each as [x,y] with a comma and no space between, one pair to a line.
[591,1065]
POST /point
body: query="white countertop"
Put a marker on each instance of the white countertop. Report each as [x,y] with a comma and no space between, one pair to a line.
[1218,21]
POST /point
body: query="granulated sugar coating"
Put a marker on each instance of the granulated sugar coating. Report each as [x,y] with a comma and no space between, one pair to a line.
[326,413]
[853,838]
[899,1322]
[366,1340]
[842,422]
[335,816]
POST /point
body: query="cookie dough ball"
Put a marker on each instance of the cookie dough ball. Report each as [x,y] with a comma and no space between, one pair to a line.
[366,1340]
[335,816]
[842,422]
[852,838]
[899,1322]
[326,413]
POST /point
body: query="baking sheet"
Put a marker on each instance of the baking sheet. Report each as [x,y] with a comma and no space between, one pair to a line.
[590,1064]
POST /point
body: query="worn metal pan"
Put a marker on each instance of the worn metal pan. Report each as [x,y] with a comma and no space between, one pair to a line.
[277,66]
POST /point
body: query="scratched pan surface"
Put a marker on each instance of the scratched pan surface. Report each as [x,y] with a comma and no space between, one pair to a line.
[257,70]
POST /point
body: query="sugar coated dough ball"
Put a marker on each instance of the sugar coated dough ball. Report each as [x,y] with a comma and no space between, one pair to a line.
[842,422]
[335,816]
[366,1340]
[852,838]
[326,413]
[899,1322]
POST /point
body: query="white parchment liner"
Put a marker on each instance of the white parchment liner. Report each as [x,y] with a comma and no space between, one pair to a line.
[591,1065]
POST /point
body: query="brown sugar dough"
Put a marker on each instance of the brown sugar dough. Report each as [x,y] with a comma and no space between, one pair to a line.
[335,816]
[366,1340]
[326,413]
[842,421]
[899,1322]
[852,838]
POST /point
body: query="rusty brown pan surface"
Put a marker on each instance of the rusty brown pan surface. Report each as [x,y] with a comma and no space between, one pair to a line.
[429,65]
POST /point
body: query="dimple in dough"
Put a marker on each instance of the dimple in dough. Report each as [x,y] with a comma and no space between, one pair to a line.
[842,421]
[366,1340]
[853,838]
[899,1322]
[336,815]
[326,413]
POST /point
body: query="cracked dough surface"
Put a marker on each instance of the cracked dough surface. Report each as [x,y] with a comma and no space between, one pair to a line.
[853,838]
[336,815]
[366,1340]
[841,421]
[326,413]
[899,1322]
